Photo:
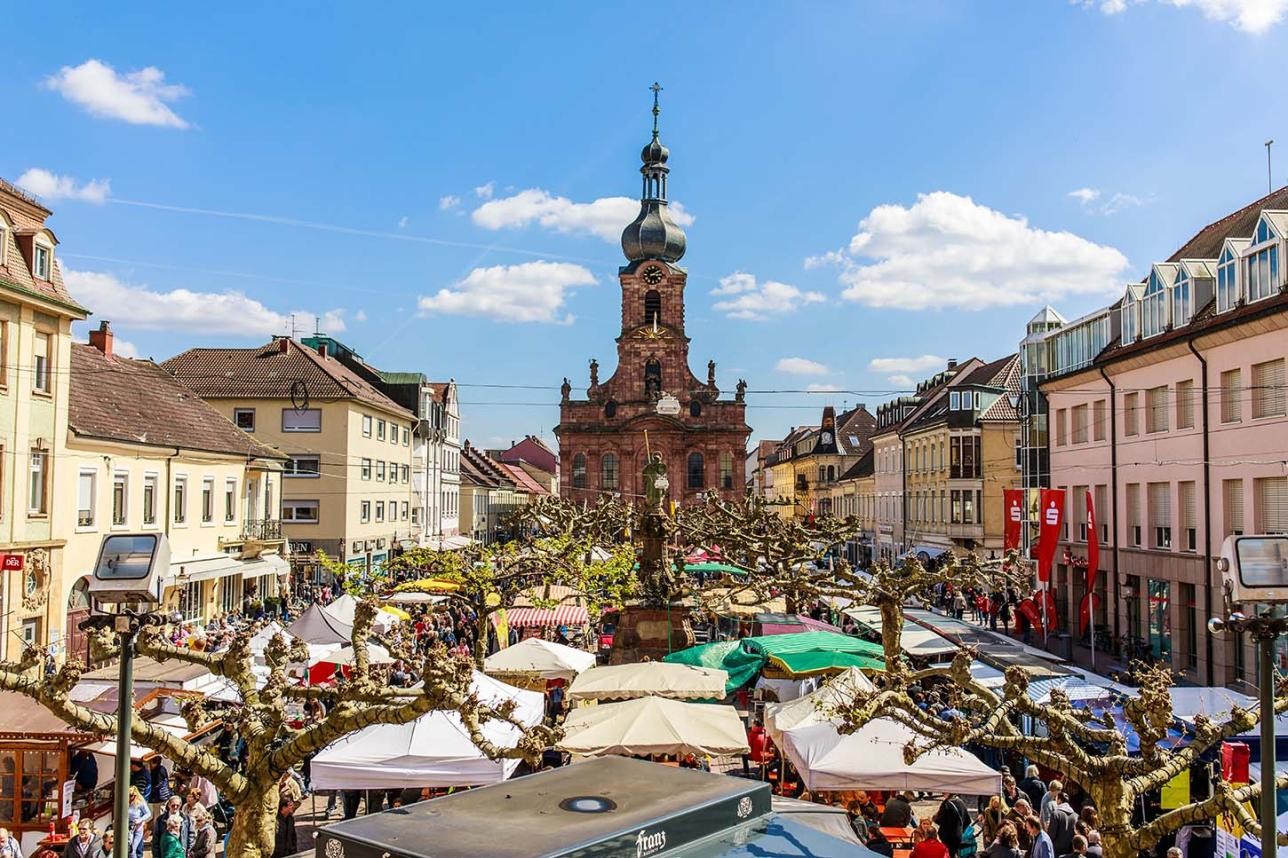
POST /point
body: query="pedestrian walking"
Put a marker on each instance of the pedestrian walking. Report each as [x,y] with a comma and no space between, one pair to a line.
[138,814]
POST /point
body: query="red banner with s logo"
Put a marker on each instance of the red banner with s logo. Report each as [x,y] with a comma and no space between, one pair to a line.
[1051,516]
[1014,502]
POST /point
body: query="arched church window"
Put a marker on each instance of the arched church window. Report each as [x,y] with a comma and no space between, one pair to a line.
[653,378]
[695,408]
[697,471]
[579,471]
[652,307]
[608,472]
[610,408]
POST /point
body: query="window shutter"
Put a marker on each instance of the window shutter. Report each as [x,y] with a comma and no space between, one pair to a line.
[1133,504]
[1232,490]
[1231,404]
[1268,389]
[1272,495]
[1160,507]
[1187,505]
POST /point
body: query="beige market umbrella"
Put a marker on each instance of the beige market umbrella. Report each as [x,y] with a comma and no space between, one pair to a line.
[654,725]
[650,678]
[537,657]
[818,706]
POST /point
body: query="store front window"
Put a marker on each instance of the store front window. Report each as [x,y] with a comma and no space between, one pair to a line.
[1160,619]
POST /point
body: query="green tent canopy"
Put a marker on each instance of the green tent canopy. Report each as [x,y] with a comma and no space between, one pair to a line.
[709,568]
[801,654]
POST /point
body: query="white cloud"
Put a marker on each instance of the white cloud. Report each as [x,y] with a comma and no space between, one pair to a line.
[605,217]
[184,310]
[140,97]
[949,251]
[360,316]
[760,301]
[52,187]
[527,292]
[124,348]
[822,388]
[902,381]
[1251,16]
[448,202]
[484,192]
[922,363]
[402,222]
[800,366]
[1116,202]
[824,260]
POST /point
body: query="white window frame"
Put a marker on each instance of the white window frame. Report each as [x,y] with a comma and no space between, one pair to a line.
[179,506]
[150,481]
[299,415]
[230,500]
[366,426]
[86,518]
[291,504]
[380,511]
[207,501]
[364,469]
[42,253]
[380,430]
[42,365]
[121,478]
[1228,293]
[364,511]
[242,412]
[293,473]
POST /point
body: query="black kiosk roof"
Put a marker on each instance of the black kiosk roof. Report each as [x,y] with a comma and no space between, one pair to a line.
[611,806]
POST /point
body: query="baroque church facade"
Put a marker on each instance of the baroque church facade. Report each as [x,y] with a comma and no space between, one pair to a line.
[653,403]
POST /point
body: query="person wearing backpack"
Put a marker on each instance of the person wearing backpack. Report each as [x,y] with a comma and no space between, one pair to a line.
[953,819]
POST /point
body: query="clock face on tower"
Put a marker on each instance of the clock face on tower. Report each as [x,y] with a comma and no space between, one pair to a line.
[653,275]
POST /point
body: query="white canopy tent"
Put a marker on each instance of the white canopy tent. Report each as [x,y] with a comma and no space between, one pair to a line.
[538,657]
[435,750]
[343,609]
[654,725]
[813,708]
[650,678]
[916,640]
[872,758]
[376,654]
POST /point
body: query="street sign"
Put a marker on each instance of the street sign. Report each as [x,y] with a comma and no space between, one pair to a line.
[668,405]
[13,562]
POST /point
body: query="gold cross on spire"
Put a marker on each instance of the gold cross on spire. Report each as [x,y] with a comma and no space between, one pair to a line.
[656,88]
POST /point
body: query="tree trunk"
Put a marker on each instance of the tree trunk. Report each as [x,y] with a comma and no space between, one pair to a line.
[255,823]
[891,633]
[1106,791]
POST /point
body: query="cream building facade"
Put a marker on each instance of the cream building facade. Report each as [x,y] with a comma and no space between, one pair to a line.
[36,313]
[346,488]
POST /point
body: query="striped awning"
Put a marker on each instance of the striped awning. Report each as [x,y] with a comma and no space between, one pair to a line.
[561,615]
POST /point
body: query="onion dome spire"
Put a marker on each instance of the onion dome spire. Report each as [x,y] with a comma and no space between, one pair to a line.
[653,235]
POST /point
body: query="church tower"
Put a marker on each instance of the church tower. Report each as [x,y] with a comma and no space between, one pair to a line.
[701,436]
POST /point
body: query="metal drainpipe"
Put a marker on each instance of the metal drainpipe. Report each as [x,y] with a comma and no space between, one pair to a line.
[903,492]
[1113,486]
[1207,518]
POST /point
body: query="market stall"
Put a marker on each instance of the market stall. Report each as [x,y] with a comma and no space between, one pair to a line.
[654,725]
[651,678]
[535,657]
[345,607]
[316,626]
[816,708]
[790,656]
[872,758]
[435,750]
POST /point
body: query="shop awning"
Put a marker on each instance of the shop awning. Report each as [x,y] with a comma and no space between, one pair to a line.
[801,654]
[916,640]
[654,725]
[650,678]
[560,615]
[209,566]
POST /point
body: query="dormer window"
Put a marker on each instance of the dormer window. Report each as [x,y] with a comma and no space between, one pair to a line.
[43,262]
[1261,264]
[1131,315]
[1182,298]
[1227,280]
[1154,307]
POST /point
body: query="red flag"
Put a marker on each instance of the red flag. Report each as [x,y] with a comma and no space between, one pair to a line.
[1093,544]
[1084,611]
[1052,512]
[1014,501]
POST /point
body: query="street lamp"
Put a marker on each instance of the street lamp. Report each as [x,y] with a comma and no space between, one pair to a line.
[1255,570]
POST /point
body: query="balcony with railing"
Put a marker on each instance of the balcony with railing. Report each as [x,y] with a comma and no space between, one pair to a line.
[262,529]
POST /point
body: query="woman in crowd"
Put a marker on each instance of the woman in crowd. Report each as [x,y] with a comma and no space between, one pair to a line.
[138,817]
[992,818]
[929,846]
[171,845]
[206,839]
[1006,844]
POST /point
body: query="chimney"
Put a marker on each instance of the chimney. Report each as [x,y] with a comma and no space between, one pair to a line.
[283,344]
[952,363]
[102,338]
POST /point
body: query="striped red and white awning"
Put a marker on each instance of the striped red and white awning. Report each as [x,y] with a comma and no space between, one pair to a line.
[562,615]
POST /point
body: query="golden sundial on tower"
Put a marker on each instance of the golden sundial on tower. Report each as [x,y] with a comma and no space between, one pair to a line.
[652,333]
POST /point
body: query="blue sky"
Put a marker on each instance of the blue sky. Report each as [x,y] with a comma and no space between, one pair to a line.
[867,182]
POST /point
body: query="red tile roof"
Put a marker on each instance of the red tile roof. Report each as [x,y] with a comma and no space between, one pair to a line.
[138,402]
[28,218]
[268,372]
[524,480]
[1206,243]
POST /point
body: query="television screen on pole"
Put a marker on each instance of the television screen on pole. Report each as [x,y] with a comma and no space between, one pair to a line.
[130,567]
[1256,568]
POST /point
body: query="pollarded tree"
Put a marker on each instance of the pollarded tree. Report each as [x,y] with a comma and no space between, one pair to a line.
[1085,748]
[262,718]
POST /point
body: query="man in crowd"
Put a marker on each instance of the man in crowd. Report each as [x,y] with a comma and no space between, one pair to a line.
[1033,787]
[1042,847]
